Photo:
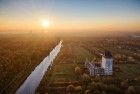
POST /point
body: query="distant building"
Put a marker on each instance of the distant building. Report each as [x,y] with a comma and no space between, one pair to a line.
[106,67]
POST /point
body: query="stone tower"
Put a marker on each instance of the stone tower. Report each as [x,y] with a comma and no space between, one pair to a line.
[107,63]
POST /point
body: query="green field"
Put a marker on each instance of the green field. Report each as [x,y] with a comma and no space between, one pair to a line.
[63,73]
[74,54]
[129,70]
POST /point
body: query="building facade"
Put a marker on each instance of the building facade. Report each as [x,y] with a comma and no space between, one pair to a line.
[106,65]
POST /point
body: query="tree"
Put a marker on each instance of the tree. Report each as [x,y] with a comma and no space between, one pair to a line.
[124,85]
[108,80]
[78,88]
[96,92]
[78,70]
[97,86]
[100,86]
[70,88]
[85,81]
[113,89]
[131,90]
[97,79]
[87,92]
[86,78]
[103,92]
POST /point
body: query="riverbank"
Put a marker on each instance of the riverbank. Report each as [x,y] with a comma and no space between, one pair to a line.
[31,83]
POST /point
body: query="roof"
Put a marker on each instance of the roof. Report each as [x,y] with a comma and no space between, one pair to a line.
[107,54]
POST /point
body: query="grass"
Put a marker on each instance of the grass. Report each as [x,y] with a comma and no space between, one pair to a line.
[129,70]
[81,54]
[63,73]
[63,70]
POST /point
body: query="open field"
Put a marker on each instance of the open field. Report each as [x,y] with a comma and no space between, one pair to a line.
[63,69]
[74,53]
[129,70]
[71,55]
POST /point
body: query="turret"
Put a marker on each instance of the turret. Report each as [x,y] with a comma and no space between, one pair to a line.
[107,63]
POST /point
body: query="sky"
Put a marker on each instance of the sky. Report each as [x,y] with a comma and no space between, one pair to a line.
[113,15]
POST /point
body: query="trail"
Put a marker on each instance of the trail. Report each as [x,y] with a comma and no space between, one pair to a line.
[32,82]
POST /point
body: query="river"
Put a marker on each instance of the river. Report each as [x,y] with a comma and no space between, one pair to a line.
[33,80]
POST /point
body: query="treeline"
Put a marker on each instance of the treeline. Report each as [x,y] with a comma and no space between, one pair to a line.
[103,84]
[19,55]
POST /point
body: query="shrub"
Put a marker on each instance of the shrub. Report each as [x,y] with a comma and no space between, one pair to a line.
[70,88]
[97,79]
[131,90]
[78,88]
[96,92]
[113,89]
[78,70]
[124,85]
[86,78]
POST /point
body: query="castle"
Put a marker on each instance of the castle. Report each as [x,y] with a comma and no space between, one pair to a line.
[105,65]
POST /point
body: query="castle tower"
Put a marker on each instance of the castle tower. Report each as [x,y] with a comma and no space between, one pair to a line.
[107,63]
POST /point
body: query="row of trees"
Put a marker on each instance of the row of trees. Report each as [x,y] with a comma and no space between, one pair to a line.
[101,85]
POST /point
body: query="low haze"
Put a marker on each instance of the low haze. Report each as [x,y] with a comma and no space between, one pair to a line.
[69,46]
[112,15]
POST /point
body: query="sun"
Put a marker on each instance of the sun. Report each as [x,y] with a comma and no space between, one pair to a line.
[45,23]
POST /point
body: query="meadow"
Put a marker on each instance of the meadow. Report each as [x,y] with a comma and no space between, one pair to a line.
[74,52]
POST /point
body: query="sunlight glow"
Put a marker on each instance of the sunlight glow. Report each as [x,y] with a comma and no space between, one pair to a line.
[45,23]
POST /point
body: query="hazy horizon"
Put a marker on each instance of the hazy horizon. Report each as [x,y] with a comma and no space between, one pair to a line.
[93,15]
